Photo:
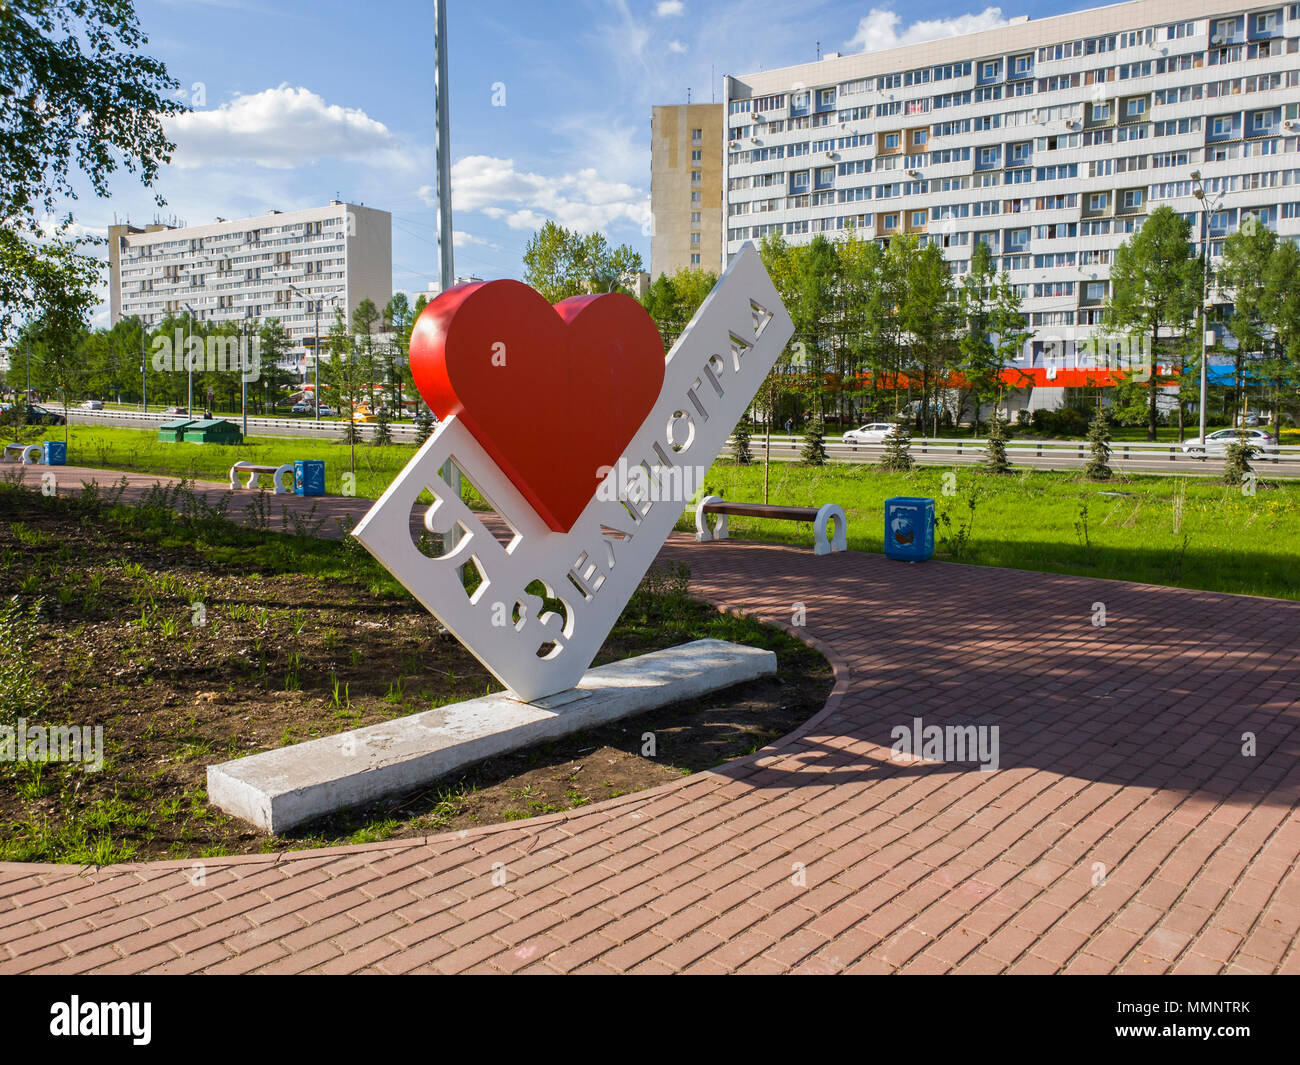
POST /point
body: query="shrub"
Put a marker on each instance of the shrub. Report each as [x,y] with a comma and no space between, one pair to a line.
[814,443]
[898,448]
[995,450]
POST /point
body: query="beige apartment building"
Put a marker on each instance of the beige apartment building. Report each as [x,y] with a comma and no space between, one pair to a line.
[686,188]
[296,266]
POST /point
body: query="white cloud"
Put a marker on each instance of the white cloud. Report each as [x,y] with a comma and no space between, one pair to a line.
[880,29]
[676,46]
[279,128]
[461,239]
[581,200]
[668,8]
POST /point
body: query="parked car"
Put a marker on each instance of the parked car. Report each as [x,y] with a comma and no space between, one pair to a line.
[1217,443]
[873,433]
[300,408]
[326,410]
[93,404]
[41,416]
[176,410]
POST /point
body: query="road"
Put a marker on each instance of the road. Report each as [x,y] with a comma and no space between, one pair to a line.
[1167,459]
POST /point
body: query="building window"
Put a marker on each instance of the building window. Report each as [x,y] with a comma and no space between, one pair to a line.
[891,140]
[695,238]
[696,177]
[1097,201]
[697,136]
[990,70]
[1136,108]
[695,217]
[1100,112]
[696,156]
[1222,126]
[696,197]
[920,137]
[918,218]
[1133,198]
[695,259]
[1096,290]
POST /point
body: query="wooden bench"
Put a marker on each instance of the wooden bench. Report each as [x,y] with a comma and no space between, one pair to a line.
[821,517]
[27,454]
[254,471]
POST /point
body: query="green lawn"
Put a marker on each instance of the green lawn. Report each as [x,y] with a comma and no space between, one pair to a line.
[1190,532]
[1193,532]
[140,450]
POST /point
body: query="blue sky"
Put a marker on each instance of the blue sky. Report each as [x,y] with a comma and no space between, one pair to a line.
[296,102]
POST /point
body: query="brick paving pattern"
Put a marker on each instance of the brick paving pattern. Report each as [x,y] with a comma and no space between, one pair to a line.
[1123,831]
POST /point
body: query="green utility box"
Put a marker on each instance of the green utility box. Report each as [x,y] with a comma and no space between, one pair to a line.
[214,431]
[173,432]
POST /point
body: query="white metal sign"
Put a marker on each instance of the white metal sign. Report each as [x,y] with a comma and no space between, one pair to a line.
[711,375]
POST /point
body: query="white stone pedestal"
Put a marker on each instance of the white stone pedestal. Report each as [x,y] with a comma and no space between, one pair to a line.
[276,790]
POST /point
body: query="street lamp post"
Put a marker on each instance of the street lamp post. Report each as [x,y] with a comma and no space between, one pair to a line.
[189,366]
[1208,204]
[315,339]
[243,373]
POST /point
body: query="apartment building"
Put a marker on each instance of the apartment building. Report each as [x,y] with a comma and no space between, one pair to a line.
[686,188]
[281,265]
[1050,140]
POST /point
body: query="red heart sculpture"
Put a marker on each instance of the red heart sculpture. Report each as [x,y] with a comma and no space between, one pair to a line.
[552,393]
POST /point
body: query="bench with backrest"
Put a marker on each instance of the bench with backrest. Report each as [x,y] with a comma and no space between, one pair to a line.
[824,542]
[254,471]
[27,454]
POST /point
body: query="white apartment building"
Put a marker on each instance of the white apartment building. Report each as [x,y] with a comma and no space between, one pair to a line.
[1048,139]
[279,265]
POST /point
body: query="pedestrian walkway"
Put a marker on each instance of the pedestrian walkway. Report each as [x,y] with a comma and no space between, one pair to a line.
[1142,816]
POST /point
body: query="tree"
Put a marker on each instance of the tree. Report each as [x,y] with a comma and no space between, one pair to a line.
[1155,285]
[814,442]
[383,435]
[995,447]
[927,318]
[1282,308]
[980,362]
[1098,468]
[399,321]
[274,344]
[364,317]
[347,376]
[740,442]
[423,424]
[560,263]
[1244,273]
[77,97]
[897,457]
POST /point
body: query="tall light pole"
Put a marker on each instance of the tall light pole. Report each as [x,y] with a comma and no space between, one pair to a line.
[442,146]
[243,374]
[189,366]
[1208,204]
[315,341]
[144,362]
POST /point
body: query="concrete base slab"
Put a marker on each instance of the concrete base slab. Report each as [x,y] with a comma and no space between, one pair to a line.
[276,790]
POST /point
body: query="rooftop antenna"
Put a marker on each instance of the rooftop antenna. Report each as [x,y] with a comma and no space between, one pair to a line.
[713,86]
[688,95]
[819,51]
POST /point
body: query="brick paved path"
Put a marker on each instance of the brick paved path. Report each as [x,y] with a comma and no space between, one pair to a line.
[1124,829]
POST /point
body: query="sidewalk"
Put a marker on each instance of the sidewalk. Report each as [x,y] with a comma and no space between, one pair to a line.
[1123,831]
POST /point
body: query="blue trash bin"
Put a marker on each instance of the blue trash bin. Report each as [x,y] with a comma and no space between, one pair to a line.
[909,528]
[309,477]
[56,453]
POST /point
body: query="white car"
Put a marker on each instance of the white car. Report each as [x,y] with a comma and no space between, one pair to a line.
[1217,443]
[874,433]
[93,404]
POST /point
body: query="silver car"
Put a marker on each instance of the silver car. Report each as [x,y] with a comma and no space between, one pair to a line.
[1217,443]
[873,433]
